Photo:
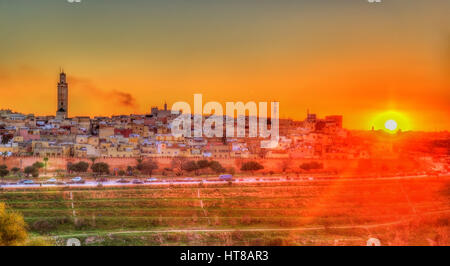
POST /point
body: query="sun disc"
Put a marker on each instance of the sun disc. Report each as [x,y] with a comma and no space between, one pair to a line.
[391,125]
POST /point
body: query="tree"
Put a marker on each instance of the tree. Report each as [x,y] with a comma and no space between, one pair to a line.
[3,171]
[38,165]
[100,168]
[82,167]
[15,170]
[202,164]
[148,166]
[45,164]
[251,166]
[93,159]
[139,164]
[70,167]
[130,170]
[305,166]
[216,167]
[12,227]
[31,170]
[177,164]
[190,166]
[311,166]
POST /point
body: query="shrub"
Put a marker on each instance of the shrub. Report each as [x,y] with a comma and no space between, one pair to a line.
[100,168]
[80,167]
[43,226]
[216,167]
[3,171]
[12,227]
[31,170]
[251,166]
[38,165]
[311,166]
[148,166]
[190,166]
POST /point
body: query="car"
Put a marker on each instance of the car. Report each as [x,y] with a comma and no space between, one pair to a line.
[226,177]
[151,179]
[103,179]
[137,182]
[78,180]
[123,181]
[28,182]
[51,181]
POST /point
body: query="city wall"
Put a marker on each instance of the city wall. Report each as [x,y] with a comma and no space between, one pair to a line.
[275,165]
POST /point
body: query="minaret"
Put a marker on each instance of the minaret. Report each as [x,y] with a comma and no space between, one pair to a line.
[63,96]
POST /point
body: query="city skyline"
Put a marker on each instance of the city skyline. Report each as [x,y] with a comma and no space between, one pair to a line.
[379,122]
[364,62]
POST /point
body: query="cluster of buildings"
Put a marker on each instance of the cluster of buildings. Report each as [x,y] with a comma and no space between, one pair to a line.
[149,135]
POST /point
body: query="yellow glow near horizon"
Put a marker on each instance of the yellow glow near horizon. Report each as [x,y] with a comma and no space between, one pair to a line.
[391,122]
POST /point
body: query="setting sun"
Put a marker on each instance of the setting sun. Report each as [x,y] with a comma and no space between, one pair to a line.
[391,121]
[390,125]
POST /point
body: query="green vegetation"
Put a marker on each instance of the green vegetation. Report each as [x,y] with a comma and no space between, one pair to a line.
[196,167]
[100,168]
[12,227]
[31,170]
[38,165]
[148,166]
[80,167]
[15,170]
[251,166]
[3,171]
[311,166]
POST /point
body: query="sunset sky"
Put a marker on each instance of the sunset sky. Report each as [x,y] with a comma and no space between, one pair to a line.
[362,60]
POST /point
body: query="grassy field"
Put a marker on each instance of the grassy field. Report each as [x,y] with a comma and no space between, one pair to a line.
[331,212]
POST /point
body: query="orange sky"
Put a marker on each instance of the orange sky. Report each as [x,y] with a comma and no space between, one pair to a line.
[356,59]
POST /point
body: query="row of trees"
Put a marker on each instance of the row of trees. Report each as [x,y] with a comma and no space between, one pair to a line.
[181,164]
[100,168]
[196,166]
[147,167]
[32,170]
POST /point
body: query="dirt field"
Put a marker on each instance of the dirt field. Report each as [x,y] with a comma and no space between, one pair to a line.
[321,212]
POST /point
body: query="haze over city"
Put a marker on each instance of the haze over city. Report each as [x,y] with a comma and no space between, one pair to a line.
[240,124]
[352,58]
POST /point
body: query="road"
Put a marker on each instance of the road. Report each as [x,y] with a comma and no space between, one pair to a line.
[247,180]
